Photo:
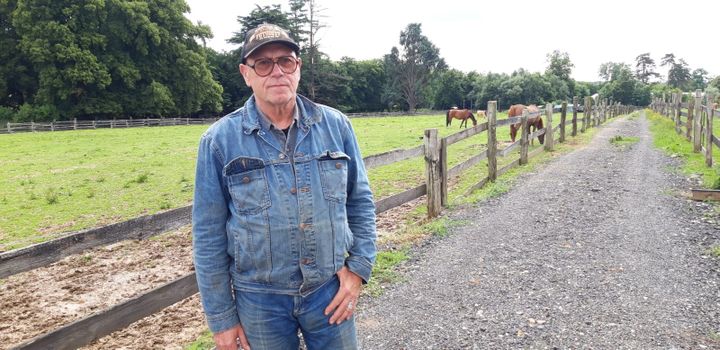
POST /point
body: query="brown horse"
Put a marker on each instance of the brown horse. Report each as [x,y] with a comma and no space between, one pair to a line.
[535,122]
[462,114]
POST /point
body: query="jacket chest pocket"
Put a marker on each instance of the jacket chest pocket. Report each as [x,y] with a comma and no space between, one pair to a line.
[247,184]
[334,175]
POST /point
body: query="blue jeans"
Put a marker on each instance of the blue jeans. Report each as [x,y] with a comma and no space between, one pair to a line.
[271,321]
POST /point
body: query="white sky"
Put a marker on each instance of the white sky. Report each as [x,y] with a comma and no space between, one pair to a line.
[504,35]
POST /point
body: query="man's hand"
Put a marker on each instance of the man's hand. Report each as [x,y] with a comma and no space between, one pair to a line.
[343,304]
[231,338]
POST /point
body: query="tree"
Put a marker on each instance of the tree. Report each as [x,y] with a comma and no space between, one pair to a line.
[699,79]
[623,87]
[411,70]
[559,64]
[111,58]
[259,15]
[450,91]
[678,72]
[645,68]
[612,70]
[366,81]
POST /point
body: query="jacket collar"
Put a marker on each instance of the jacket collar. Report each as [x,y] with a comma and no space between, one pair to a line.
[309,113]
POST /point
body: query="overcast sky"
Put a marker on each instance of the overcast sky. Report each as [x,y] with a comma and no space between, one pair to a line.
[504,35]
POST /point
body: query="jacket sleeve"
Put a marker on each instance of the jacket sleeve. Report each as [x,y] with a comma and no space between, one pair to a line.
[210,242]
[360,210]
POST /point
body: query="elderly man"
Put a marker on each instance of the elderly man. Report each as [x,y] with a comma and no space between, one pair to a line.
[283,217]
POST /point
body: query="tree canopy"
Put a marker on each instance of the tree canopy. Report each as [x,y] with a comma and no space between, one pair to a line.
[109,58]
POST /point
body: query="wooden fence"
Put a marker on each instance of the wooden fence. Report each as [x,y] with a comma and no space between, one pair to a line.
[75,124]
[433,149]
[99,124]
[693,118]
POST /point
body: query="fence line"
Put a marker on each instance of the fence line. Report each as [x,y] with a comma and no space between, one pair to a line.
[698,120]
[75,124]
[434,149]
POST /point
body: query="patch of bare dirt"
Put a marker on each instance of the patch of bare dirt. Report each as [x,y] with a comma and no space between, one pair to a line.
[38,301]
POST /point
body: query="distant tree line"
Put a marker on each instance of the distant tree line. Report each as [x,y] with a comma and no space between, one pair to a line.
[121,58]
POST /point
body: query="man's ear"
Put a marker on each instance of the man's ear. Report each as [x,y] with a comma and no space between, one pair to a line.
[244,71]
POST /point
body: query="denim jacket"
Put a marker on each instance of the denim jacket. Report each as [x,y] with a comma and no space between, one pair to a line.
[267,224]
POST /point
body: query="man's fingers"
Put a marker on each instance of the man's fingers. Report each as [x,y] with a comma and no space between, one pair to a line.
[343,312]
[334,303]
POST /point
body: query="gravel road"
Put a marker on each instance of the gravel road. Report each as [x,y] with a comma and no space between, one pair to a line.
[598,249]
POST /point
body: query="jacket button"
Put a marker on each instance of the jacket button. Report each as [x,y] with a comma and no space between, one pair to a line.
[305,261]
[293,190]
[282,156]
[302,226]
[299,154]
[245,179]
[338,165]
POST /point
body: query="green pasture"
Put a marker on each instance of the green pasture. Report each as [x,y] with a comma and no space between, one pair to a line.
[55,182]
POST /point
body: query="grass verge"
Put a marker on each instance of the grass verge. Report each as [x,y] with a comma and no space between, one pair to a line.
[666,139]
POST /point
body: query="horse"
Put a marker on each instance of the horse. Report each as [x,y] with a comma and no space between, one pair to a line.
[480,114]
[535,122]
[462,114]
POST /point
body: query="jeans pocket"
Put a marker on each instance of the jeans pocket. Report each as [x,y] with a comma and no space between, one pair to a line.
[334,175]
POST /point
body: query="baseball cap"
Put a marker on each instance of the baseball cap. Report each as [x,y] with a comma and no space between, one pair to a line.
[263,34]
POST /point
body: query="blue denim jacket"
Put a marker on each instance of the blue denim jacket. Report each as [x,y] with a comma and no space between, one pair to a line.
[264,223]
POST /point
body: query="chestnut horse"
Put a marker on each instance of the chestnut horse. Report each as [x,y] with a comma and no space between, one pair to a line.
[462,114]
[535,122]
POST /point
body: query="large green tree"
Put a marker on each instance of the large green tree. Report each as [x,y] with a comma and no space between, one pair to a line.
[645,68]
[103,58]
[411,69]
[678,71]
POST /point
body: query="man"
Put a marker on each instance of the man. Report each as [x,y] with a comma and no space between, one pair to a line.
[283,217]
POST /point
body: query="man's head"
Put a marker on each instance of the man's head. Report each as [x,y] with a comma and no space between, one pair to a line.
[270,66]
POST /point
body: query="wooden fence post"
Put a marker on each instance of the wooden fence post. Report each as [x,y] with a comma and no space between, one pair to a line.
[691,116]
[697,142]
[574,119]
[74,123]
[443,173]
[563,117]
[524,142]
[492,140]
[52,125]
[709,130]
[549,134]
[32,126]
[432,172]
[586,110]
[9,128]
[676,115]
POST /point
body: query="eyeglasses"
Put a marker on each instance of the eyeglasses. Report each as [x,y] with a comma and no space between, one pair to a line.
[264,66]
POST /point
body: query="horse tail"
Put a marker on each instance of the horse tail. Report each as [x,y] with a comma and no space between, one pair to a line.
[447,118]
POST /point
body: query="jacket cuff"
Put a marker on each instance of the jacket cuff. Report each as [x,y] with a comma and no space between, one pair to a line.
[359,266]
[224,321]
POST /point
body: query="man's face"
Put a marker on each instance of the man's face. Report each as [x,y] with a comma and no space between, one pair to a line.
[277,88]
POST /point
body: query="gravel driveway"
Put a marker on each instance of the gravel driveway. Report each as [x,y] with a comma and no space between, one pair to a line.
[598,249]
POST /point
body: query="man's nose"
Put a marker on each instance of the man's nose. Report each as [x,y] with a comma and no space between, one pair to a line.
[276,71]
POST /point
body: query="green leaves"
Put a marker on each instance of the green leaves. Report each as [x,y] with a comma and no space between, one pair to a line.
[104,58]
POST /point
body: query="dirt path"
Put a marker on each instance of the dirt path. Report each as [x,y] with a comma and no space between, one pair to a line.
[596,250]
